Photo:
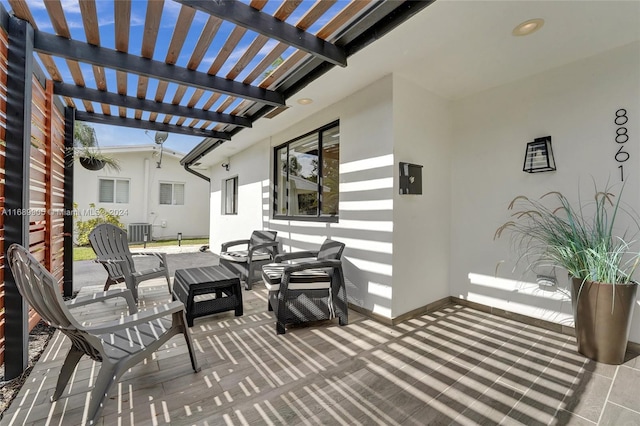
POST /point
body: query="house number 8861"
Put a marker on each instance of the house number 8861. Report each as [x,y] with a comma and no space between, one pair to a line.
[621,138]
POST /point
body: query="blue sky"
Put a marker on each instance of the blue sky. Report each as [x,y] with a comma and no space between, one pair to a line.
[117,136]
[113,135]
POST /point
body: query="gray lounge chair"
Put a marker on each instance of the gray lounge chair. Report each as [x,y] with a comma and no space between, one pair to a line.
[310,290]
[261,248]
[111,246]
[118,344]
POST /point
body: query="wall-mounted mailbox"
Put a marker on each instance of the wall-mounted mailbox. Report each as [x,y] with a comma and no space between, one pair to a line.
[410,178]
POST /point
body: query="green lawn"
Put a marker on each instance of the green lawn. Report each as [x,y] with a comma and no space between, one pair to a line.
[86,253]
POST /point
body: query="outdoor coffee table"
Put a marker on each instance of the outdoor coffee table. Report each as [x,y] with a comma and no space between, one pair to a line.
[207,290]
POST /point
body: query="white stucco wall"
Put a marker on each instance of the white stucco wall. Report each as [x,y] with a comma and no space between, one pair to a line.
[252,168]
[403,251]
[366,194]
[422,124]
[576,105]
[192,218]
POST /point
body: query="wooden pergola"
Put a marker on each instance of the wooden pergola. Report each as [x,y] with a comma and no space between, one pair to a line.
[45,89]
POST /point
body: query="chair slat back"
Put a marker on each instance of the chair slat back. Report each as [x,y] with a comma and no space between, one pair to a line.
[330,250]
[260,237]
[110,242]
[39,288]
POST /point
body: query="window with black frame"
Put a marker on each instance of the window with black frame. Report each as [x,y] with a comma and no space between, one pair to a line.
[306,176]
[230,196]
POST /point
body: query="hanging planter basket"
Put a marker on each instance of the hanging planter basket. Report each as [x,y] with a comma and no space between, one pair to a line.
[91,163]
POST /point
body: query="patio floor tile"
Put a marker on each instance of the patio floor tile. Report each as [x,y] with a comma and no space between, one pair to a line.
[455,366]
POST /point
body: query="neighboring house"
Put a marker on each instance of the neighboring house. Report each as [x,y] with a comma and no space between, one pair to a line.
[145,196]
[453,91]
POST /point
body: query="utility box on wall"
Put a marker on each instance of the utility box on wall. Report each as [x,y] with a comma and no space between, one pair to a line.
[410,178]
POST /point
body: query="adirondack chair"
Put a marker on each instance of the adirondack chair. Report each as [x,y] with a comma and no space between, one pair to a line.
[118,344]
[112,249]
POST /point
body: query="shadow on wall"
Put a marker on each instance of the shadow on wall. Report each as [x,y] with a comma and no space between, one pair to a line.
[550,303]
[365,227]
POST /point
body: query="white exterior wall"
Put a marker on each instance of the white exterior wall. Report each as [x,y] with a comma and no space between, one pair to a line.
[366,208]
[252,167]
[403,251]
[192,218]
[576,105]
[422,135]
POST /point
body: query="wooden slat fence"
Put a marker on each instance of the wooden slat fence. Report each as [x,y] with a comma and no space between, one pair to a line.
[46,188]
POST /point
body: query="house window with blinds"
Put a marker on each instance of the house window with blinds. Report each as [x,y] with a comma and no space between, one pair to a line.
[230,196]
[113,191]
[172,194]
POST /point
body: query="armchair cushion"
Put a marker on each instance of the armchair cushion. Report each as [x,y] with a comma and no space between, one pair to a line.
[308,279]
[242,256]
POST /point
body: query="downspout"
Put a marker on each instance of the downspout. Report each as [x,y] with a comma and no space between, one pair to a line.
[200,175]
[145,195]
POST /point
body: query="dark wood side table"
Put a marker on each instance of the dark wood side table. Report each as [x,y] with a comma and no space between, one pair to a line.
[219,290]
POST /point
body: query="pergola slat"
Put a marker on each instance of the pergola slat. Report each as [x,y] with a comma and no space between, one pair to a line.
[342,18]
[206,37]
[284,11]
[149,38]
[180,31]
[124,101]
[226,50]
[143,124]
[308,19]
[21,10]
[58,46]
[122,18]
[204,41]
[265,24]
[313,14]
[92,33]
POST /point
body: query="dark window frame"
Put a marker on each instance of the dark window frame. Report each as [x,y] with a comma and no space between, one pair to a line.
[319,217]
[225,196]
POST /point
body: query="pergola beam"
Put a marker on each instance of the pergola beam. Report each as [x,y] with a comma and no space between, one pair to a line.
[113,120]
[269,26]
[120,61]
[73,91]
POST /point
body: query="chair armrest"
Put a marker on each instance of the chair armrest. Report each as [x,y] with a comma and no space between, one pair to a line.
[273,244]
[161,256]
[122,263]
[225,246]
[104,295]
[141,317]
[295,255]
[314,264]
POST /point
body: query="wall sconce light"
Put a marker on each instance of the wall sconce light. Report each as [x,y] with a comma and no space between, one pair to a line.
[179,239]
[539,156]
[225,165]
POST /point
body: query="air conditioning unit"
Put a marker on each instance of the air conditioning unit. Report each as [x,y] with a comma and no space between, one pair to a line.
[137,231]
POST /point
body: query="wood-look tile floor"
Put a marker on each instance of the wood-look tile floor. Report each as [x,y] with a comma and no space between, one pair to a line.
[453,366]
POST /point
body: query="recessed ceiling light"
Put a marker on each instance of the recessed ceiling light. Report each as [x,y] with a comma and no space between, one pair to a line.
[528,27]
[305,101]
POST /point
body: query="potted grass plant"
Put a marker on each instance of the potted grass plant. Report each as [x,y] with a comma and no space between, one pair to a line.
[584,239]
